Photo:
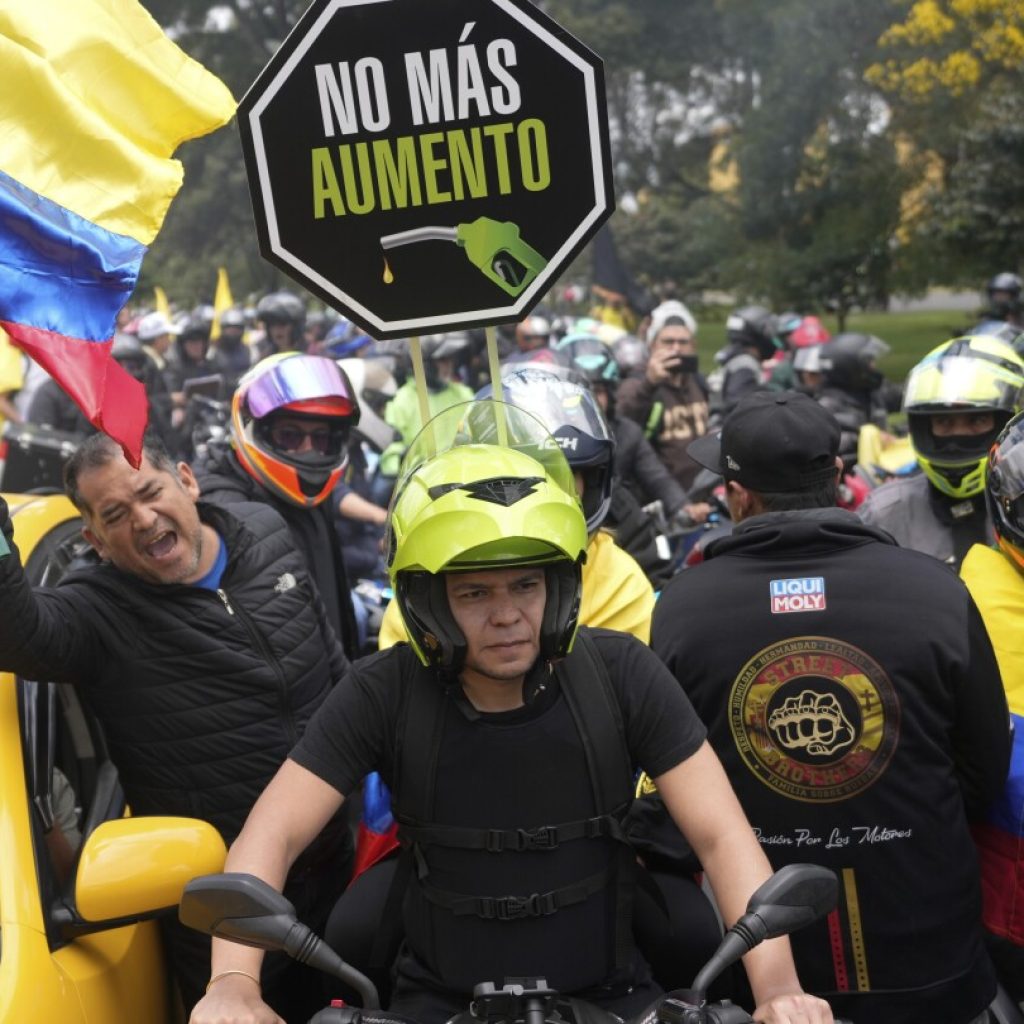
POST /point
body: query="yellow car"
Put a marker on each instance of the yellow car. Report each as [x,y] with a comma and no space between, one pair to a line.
[80,881]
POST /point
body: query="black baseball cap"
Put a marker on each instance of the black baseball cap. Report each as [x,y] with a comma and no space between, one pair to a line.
[773,441]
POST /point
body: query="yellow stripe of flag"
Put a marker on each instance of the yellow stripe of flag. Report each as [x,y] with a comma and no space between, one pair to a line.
[97,100]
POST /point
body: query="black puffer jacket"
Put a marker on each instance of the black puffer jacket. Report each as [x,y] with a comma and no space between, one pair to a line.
[201,702]
[638,467]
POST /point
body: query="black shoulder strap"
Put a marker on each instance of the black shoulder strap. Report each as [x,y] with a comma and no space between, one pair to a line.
[588,691]
[417,743]
[595,708]
[592,701]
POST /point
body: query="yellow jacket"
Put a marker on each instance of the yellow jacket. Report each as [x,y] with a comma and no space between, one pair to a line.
[998,590]
[616,595]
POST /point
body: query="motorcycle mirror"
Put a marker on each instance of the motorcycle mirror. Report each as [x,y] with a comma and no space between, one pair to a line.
[238,907]
[793,897]
[244,909]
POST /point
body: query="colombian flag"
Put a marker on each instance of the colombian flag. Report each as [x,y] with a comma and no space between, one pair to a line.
[1001,847]
[378,831]
[97,99]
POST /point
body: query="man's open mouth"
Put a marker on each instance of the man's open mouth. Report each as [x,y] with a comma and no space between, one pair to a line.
[162,545]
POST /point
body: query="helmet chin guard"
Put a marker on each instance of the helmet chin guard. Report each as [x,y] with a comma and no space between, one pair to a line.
[423,601]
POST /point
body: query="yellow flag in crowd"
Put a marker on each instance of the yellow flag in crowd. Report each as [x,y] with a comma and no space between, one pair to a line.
[222,300]
[160,301]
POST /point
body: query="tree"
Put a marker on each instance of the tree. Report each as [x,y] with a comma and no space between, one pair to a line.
[758,153]
[210,223]
[806,214]
[953,71]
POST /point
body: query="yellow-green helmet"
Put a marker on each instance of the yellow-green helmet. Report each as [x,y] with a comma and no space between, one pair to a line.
[464,502]
[971,374]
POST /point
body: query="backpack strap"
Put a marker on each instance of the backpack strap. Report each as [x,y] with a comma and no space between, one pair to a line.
[511,908]
[588,691]
[417,743]
[494,840]
[653,422]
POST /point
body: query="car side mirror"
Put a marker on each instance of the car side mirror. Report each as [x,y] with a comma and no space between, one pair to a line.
[134,867]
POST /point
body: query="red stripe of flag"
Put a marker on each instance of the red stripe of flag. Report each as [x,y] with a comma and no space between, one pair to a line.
[111,399]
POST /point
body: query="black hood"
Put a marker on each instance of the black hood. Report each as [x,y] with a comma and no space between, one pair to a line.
[805,532]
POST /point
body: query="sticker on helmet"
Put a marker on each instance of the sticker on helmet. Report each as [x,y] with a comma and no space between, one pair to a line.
[505,491]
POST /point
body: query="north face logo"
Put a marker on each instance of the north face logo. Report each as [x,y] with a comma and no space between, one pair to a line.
[285,582]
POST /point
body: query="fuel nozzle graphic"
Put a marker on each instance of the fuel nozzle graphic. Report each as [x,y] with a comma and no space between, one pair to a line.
[493,246]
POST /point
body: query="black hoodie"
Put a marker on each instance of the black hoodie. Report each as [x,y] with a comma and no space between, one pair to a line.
[850,690]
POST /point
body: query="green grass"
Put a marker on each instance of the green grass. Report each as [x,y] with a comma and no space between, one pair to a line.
[910,335]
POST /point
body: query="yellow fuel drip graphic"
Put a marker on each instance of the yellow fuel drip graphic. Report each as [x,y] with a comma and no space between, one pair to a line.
[388,275]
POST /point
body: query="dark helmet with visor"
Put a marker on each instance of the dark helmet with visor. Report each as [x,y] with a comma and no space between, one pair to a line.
[848,361]
[752,326]
[1004,489]
[574,419]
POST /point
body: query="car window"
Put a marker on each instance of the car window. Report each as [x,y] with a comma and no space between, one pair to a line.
[71,782]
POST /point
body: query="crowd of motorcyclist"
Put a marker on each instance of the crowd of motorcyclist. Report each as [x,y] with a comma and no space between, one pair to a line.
[306,412]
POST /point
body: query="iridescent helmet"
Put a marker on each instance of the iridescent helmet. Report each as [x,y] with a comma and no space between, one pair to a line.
[590,362]
[483,486]
[301,459]
[976,374]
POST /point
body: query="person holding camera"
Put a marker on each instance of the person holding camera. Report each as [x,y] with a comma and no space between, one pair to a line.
[670,399]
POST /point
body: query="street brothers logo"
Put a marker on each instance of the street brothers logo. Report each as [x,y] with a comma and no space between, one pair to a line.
[814,719]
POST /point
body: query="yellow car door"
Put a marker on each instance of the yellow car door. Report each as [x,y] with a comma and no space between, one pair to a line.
[72,945]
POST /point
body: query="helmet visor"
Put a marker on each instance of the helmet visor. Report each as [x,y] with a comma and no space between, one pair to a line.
[557,403]
[1006,467]
[486,421]
[964,380]
[297,379]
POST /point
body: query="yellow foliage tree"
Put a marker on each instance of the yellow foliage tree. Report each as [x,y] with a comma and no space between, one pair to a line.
[950,47]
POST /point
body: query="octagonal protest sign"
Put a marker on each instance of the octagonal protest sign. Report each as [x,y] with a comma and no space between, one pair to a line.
[427,164]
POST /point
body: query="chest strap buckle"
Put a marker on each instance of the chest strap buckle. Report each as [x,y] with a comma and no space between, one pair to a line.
[512,908]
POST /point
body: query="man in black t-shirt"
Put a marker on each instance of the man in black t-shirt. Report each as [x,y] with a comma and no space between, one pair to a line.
[484,726]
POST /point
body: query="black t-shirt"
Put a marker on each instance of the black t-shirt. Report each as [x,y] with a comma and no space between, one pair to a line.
[516,769]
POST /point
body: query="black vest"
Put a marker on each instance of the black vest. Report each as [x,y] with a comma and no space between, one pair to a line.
[504,824]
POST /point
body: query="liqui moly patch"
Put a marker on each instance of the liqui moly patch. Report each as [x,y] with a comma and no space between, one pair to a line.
[806,594]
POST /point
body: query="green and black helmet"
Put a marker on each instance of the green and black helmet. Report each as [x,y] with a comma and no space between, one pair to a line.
[483,486]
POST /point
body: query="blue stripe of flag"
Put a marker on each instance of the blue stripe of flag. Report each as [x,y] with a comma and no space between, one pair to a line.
[1007,812]
[58,271]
